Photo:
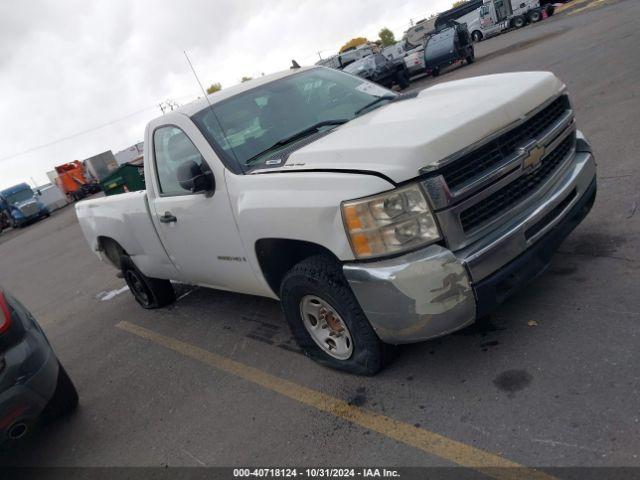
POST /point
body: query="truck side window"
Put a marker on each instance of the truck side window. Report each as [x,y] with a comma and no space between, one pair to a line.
[172,148]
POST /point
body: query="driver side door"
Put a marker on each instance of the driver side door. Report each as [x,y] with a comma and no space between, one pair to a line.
[198,230]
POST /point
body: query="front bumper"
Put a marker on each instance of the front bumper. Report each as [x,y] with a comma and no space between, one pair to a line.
[433,291]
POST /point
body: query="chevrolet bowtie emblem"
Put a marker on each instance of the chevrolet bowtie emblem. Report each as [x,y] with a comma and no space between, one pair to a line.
[534,158]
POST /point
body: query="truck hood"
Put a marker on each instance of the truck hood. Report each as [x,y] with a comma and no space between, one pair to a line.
[400,138]
[24,203]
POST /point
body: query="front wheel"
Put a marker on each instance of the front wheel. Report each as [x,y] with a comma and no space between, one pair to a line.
[326,319]
[402,79]
[150,293]
[476,36]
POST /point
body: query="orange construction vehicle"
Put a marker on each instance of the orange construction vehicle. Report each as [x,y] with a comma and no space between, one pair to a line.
[74,182]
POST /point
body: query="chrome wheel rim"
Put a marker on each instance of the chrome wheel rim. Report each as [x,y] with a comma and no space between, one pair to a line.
[326,327]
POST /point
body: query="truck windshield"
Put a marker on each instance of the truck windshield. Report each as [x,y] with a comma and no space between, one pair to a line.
[20,196]
[246,127]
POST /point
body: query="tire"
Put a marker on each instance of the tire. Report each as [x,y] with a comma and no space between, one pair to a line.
[150,293]
[402,79]
[320,278]
[477,36]
[471,57]
[535,16]
[64,400]
[435,72]
[519,21]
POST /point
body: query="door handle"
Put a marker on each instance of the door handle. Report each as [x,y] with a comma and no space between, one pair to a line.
[168,217]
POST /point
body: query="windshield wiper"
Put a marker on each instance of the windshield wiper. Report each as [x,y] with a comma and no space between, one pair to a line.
[309,130]
[374,102]
[302,133]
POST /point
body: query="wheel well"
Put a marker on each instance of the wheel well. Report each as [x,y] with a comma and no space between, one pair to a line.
[277,256]
[112,250]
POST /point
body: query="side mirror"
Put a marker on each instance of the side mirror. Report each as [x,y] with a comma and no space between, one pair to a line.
[196,178]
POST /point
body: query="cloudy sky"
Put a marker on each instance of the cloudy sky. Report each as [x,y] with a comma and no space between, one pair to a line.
[80,77]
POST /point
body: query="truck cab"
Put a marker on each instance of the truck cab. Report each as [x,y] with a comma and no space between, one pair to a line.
[497,16]
[21,205]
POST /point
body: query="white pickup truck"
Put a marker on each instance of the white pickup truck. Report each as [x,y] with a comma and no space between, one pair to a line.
[375,218]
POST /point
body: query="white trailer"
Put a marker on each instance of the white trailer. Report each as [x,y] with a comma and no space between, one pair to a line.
[52,197]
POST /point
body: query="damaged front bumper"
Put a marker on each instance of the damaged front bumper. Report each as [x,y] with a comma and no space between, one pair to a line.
[433,291]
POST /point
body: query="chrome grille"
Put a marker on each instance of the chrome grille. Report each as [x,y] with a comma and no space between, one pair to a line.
[513,193]
[474,164]
[29,209]
[488,184]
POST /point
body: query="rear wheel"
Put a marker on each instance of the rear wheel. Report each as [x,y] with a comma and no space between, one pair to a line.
[519,21]
[535,16]
[65,397]
[150,293]
[471,57]
[326,319]
[435,72]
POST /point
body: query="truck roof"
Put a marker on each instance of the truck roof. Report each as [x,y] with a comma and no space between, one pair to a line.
[16,188]
[201,103]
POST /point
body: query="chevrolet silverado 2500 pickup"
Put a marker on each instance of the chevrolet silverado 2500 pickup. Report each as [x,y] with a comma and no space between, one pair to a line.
[375,218]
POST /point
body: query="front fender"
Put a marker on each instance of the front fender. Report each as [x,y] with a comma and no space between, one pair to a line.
[16,214]
[298,206]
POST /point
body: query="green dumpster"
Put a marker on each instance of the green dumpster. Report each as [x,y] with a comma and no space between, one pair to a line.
[127,178]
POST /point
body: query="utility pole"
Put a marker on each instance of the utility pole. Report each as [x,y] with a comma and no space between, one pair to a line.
[168,105]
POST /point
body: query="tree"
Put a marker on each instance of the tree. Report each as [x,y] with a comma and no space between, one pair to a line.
[459,2]
[386,37]
[213,88]
[353,43]
[245,79]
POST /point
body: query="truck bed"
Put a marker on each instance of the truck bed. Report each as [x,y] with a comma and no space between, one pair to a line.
[126,219]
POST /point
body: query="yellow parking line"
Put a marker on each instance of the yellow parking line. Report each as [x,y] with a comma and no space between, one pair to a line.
[591,4]
[433,443]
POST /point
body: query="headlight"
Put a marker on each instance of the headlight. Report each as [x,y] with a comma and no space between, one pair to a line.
[390,222]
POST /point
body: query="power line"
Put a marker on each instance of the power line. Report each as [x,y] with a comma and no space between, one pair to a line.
[83,132]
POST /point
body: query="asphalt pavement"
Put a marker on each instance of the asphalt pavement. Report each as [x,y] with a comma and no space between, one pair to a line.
[550,379]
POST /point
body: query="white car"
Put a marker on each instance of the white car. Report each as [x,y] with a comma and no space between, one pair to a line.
[375,218]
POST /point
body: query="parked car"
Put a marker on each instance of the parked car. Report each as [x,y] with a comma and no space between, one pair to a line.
[379,69]
[375,218]
[33,383]
[21,205]
[448,46]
